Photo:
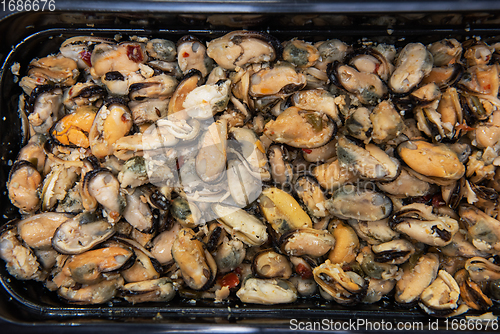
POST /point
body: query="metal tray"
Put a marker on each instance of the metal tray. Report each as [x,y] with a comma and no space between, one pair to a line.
[29,34]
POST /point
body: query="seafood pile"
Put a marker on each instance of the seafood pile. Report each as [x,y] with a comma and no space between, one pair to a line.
[262,170]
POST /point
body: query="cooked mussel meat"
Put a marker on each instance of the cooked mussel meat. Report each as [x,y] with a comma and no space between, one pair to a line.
[241,224]
[197,266]
[353,202]
[193,55]
[155,290]
[240,48]
[416,278]
[24,186]
[97,293]
[345,287]
[44,107]
[470,292]
[441,297]
[482,229]
[346,242]
[266,169]
[81,233]
[301,128]
[269,264]
[368,87]
[37,231]
[112,122]
[419,223]
[282,211]
[21,261]
[101,186]
[414,62]
[307,241]
[433,160]
[369,162]
[267,291]
[89,267]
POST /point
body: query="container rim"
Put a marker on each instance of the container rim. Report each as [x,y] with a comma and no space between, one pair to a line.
[272,6]
[247,7]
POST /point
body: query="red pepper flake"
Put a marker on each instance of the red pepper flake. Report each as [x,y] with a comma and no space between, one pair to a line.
[238,270]
[422,199]
[346,267]
[437,201]
[230,280]
[303,271]
[185,54]
[464,127]
[125,118]
[377,66]
[308,151]
[134,53]
[85,57]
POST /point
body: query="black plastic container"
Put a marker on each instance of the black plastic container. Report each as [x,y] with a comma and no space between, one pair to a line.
[33,34]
